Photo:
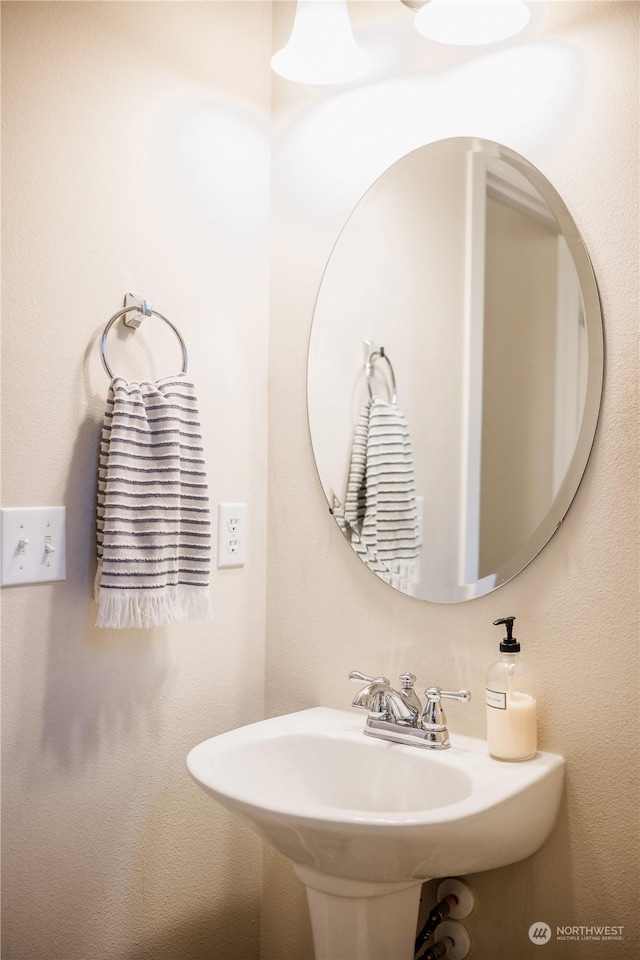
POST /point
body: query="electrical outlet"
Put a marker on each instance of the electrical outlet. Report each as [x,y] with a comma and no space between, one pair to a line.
[232,534]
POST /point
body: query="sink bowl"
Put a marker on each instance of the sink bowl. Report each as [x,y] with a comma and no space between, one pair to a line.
[351,806]
[363,818]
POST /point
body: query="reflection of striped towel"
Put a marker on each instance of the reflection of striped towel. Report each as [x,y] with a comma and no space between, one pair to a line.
[154,532]
[381,503]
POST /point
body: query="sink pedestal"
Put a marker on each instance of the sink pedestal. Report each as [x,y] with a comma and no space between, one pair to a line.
[358,920]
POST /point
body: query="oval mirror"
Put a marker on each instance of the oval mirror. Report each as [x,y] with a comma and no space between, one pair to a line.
[454,370]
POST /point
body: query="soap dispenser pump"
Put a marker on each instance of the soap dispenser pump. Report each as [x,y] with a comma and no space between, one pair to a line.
[511,702]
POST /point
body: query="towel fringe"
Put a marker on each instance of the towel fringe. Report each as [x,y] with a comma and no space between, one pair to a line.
[404,575]
[119,609]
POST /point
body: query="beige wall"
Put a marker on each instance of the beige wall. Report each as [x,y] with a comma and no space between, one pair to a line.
[135,157]
[566,100]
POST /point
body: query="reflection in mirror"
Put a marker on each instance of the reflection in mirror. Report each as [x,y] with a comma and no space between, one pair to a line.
[454,370]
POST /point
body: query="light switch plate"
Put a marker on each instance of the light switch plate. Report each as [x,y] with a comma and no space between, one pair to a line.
[33,545]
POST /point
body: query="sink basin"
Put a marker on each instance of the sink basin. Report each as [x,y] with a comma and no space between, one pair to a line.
[363,818]
[351,806]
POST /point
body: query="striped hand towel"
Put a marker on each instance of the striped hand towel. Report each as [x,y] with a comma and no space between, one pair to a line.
[154,531]
[380,505]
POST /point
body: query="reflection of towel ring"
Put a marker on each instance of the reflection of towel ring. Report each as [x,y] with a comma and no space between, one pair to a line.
[368,369]
[147,311]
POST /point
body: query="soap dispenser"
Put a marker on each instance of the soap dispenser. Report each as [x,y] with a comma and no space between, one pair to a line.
[511,702]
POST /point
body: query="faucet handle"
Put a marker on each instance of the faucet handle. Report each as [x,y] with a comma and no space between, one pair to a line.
[435,694]
[358,677]
[434,722]
[371,696]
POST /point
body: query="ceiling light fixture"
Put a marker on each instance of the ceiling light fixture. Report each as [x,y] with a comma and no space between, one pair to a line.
[470,22]
[321,48]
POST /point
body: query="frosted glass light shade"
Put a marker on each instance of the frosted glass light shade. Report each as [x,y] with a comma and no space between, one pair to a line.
[321,48]
[471,22]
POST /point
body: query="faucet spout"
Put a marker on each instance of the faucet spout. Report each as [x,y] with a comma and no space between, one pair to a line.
[399,711]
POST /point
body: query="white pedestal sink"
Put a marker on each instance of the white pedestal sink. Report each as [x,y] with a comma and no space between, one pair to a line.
[366,821]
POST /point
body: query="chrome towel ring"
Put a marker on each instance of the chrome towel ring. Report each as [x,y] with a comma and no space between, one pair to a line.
[368,369]
[145,309]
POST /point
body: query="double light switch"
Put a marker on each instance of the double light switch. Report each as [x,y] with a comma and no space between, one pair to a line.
[33,545]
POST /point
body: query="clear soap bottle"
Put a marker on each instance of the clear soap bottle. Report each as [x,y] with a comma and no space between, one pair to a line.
[511,702]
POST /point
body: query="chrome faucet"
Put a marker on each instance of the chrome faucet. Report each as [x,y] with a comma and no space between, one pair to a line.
[398,715]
